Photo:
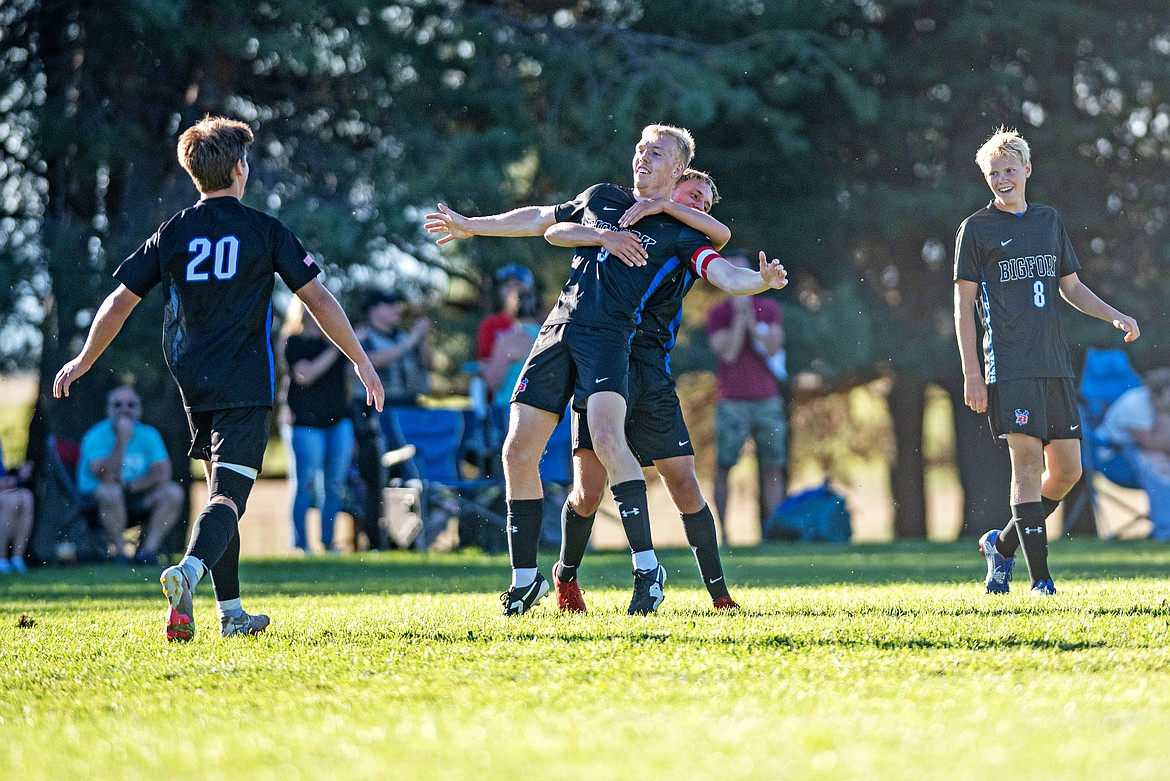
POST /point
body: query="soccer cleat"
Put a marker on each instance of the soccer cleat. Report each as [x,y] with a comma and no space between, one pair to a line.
[569,599]
[521,600]
[648,594]
[1043,588]
[180,607]
[999,567]
[243,624]
[725,604]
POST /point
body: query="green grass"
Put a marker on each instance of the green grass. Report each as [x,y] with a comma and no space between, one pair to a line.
[876,661]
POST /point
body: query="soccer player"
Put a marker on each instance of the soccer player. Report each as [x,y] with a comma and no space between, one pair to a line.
[655,427]
[217,260]
[1012,259]
[583,350]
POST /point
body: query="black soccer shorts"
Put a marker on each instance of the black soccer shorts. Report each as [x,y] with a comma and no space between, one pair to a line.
[1040,407]
[570,361]
[230,436]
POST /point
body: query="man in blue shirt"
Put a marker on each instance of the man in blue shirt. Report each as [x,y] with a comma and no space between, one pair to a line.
[125,472]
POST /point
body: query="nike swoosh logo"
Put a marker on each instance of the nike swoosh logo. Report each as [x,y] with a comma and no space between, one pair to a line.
[602,379]
[680,444]
[1074,428]
[1005,243]
[716,580]
[609,208]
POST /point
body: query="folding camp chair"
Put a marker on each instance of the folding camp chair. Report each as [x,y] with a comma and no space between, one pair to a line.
[1107,374]
[438,435]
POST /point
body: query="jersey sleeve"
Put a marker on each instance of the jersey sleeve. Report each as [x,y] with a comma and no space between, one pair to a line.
[142,270]
[697,250]
[293,263]
[966,262]
[574,210]
[1069,262]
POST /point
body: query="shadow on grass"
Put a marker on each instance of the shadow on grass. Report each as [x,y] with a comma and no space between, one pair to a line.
[771,565]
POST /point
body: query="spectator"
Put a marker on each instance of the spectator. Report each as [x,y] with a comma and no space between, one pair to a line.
[321,428]
[125,473]
[747,336]
[506,337]
[1139,423]
[16,517]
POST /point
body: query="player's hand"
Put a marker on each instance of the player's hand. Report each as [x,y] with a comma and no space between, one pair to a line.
[640,209]
[1130,326]
[772,272]
[449,222]
[975,393]
[625,246]
[375,395]
[69,374]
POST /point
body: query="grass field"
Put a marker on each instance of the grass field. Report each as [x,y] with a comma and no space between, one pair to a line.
[870,661]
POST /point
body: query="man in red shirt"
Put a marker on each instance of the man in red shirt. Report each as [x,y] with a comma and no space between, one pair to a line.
[746,334]
[500,343]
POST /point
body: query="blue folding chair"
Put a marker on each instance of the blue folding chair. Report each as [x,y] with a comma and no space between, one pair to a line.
[1106,375]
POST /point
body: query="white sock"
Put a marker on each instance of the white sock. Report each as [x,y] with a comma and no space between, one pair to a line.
[521,578]
[195,569]
[645,559]
[229,607]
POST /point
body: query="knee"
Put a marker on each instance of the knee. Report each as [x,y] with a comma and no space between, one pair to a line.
[109,496]
[585,499]
[518,453]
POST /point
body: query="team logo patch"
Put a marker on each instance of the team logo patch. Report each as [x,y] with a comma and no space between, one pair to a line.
[520,386]
[1021,417]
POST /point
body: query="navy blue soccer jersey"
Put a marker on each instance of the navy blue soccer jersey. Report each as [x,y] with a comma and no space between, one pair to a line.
[606,293]
[217,260]
[1018,261]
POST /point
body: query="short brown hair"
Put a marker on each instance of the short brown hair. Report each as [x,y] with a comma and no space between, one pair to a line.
[692,174]
[209,149]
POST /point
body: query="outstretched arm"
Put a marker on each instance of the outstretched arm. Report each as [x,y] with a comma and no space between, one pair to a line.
[331,317]
[623,245]
[974,386]
[108,321]
[704,223]
[1077,293]
[525,221]
[739,281]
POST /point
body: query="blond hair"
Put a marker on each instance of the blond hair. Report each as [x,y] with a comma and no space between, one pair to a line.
[209,149]
[684,142]
[692,174]
[1003,142]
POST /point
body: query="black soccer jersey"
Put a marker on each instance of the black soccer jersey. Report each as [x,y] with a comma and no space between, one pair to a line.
[606,293]
[661,318]
[217,259]
[1017,261]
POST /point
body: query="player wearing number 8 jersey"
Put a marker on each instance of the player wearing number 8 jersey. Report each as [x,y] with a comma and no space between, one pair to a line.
[1013,260]
[217,260]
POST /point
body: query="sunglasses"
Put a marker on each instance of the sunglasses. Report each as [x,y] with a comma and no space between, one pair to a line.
[123,405]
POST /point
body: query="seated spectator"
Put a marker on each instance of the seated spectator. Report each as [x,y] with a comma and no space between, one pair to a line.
[317,400]
[16,518]
[1139,423]
[125,473]
[506,337]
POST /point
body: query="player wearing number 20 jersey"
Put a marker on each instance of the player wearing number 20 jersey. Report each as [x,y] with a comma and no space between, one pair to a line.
[217,260]
[1017,261]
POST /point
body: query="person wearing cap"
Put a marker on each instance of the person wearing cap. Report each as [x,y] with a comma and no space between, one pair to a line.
[506,337]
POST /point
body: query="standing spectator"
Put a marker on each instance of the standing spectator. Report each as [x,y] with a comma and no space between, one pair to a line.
[322,430]
[16,517]
[747,337]
[125,473]
[506,336]
[1138,422]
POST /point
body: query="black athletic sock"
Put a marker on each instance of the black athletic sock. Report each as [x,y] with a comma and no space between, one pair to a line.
[1030,523]
[225,575]
[524,520]
[575,531]
[630,498]
[1008,543]
[700,531]
[213,532]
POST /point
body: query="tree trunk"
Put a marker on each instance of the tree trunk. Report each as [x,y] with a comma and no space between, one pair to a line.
[907,403]
[985,470]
